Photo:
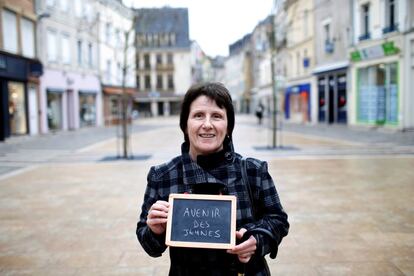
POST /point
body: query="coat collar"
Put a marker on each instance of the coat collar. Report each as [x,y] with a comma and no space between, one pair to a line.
[194,174]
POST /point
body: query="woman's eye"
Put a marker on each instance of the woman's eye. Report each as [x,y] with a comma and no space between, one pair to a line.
[217,116]
[198,115]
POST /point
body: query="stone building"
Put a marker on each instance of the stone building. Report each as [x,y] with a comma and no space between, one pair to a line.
[163,60]
[19,69]
[70,89]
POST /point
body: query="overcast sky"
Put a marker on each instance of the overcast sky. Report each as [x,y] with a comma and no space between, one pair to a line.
[215,24]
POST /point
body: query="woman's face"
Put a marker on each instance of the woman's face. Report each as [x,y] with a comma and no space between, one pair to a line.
[206,127]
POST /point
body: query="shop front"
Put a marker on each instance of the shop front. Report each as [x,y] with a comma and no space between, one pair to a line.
[87,108]
[17,76]
[378,85]
[377,97]
[332,97]
[72,100]
[112,103]
[297,103]
[54,109]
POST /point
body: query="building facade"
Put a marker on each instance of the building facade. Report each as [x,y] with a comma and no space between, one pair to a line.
[70,89]
[300,94]
[201,64]
[163,60]
[116,58]
[382,64]
[262,91]
[19,69]
[239,73]
[332,39]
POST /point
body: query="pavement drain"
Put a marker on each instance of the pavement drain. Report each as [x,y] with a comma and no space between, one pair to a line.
[120,158]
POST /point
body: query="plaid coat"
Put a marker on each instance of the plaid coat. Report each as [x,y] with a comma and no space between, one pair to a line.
[182,174]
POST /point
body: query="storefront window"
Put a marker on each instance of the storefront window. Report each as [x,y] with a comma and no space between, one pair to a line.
[378,94]
[115,107]
[87,109]
[54,110]
[17,108]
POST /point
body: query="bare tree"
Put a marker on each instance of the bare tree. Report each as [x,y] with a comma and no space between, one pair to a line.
[125,98]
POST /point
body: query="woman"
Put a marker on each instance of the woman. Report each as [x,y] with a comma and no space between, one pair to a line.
[208,164]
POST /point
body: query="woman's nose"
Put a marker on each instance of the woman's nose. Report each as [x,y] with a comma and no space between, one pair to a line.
[207,123]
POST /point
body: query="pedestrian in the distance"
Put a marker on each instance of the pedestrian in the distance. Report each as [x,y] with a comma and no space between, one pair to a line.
[259,113]
[207,121]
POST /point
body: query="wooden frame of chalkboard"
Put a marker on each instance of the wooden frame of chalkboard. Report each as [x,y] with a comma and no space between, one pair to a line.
[201,221]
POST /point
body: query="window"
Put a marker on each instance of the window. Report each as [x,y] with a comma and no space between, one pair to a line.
[140,40]
[149,39]
[65,49]
[28,39]
[118,41]
[80,58]
[156,40]
[9,31]
[108,30]
[170,82]
[139,82]
[147,61]
[390,16]
[172,39]
[119,71]
[159,82]
[298,62]
[78,8]
[377,94]
[108,71]
[159,59]
[90,55]
[88,13]
[305,23]
[147,82]
[170,59]
[364,22]
[64,5]
[137,62]
[329,45]
[51,46]
[327,32]
[50,3]
[411,13]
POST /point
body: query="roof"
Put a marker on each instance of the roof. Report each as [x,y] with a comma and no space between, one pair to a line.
[164,20]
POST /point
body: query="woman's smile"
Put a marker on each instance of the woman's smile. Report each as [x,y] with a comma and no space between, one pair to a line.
[206,127]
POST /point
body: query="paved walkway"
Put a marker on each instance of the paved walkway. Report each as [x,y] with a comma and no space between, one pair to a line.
[64,211]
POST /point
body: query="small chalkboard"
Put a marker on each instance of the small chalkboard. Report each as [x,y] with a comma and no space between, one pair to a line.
[201,221]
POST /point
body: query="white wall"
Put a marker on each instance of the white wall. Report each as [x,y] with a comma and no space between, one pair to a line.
[182,72]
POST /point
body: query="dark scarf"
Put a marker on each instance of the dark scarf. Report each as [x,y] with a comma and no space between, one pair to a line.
[208,163]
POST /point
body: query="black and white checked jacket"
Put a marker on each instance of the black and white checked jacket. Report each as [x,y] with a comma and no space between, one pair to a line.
[181,174]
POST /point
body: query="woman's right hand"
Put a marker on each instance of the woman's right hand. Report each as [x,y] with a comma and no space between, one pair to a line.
[157,217]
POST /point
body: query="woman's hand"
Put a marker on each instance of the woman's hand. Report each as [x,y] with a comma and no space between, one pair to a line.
[157,217]
[246,249]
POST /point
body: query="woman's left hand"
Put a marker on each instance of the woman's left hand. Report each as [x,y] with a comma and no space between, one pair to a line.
[246,249]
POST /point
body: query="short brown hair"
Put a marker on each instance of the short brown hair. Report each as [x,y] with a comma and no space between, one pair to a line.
[214,91]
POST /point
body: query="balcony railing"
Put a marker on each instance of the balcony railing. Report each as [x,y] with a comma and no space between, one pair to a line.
[364,36]
[389,29]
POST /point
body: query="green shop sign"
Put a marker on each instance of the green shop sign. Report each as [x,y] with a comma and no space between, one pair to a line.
[377,51]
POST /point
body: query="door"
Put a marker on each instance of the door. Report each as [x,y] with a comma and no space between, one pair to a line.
[33,111]
[17,108]
[71,109]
